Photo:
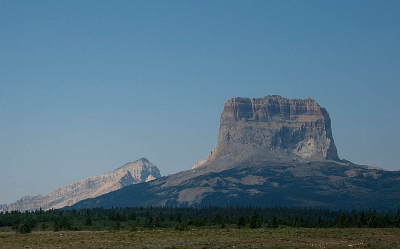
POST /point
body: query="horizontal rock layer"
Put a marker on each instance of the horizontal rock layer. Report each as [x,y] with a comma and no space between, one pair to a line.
[276,128]
[271,151]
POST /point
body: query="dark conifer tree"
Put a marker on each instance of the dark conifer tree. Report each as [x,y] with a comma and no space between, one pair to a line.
[241,222]
[255,221]
[274,223]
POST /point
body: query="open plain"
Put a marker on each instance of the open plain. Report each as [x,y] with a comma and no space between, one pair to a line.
[208,238]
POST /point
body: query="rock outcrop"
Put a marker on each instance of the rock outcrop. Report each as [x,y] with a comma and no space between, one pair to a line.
[271,152]
[131,173]
[320,184]
[276,128]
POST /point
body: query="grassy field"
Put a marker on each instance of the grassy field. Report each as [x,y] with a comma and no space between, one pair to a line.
[208,238]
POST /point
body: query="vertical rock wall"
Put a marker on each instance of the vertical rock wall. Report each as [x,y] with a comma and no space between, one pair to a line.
[275,127]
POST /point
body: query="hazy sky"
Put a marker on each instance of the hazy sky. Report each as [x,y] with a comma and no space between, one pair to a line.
[87,86]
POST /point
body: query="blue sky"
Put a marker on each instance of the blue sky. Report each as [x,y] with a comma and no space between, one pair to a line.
[87,86]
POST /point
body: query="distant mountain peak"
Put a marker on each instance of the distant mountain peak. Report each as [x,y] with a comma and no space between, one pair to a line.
[271,151]
[138,171]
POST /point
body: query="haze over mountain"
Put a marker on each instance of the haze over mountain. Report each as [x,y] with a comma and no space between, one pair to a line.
[131,173]
[271,151]
[92,84]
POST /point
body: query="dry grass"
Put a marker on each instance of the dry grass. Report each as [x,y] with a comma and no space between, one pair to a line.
[208,238]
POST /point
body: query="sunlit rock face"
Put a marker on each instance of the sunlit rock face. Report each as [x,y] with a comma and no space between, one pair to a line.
[276,128]
[131,173]
[271,151]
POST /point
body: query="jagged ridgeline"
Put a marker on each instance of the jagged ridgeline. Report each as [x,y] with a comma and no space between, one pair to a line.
[271,151]
[131,173]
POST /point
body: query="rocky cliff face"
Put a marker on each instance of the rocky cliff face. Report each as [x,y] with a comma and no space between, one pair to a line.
[271,151]
[276,128]
[131,173]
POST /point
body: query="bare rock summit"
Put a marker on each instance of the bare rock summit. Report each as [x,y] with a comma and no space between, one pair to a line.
[131,173]
[275,128]
[271,151]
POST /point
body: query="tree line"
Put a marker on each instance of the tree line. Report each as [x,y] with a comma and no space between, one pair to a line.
[134,218]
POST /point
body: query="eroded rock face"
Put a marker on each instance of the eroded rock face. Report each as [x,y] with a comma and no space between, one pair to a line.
[131,173]
[271,151]
[276,128]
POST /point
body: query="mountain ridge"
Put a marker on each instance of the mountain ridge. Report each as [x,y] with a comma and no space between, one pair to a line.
[330,185]
[135,172]
[271,151]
